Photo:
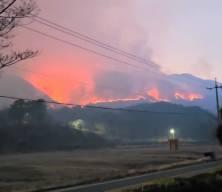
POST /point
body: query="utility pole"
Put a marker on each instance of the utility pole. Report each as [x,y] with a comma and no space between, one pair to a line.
[216,87]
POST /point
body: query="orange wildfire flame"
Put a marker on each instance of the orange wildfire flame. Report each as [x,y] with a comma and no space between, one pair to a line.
[70,85]
[63,81]
[76,85]
[97,101]
[188,96]
[154,93]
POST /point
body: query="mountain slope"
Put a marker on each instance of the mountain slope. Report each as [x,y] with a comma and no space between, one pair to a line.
[198,85]
[189,122]
[12,85]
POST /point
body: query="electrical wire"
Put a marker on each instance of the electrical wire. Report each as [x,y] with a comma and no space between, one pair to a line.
[94,106]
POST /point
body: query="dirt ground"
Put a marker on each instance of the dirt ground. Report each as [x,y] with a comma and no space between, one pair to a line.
[28,172]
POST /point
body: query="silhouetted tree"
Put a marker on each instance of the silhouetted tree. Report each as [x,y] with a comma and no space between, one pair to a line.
[12,12]
[37,111]
[28,112]
[17,112]
[27,127]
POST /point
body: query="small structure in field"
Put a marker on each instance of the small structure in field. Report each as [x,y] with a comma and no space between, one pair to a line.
[173,141]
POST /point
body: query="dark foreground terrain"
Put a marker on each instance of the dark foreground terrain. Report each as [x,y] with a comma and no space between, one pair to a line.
[29,172]
[211,182]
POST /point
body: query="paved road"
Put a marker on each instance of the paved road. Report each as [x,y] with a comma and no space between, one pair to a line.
[135,180]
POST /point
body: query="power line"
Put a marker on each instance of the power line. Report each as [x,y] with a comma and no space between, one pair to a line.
[88,39]
[83,48]
[98,43]
[86,83]
[95,107]
[216,87]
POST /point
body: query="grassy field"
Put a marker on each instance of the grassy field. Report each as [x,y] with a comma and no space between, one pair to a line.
[28,172]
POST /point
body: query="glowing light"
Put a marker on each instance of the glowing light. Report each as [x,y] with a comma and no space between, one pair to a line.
[172,133]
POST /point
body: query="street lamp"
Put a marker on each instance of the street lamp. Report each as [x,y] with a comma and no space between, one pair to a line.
[173,142]
[172,133]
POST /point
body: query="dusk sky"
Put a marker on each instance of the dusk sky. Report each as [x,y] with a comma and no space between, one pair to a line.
[181,36]
[175,36]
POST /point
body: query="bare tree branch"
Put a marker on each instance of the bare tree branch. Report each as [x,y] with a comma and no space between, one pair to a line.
[10,18]
[8,60]
[9,5]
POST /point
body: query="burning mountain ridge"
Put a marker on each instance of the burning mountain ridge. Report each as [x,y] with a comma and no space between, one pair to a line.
[188,96]
[85,82]
[76,91]
[91,84]
[69,90]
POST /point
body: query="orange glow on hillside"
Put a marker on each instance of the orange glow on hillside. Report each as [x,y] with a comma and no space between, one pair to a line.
[97,100]
[188,96]
[71,84]
[64,90]
[75,83]
[64,83]
[155,95]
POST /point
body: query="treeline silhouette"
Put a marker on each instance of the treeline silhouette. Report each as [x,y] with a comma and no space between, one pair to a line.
[191,123]
[26,126]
